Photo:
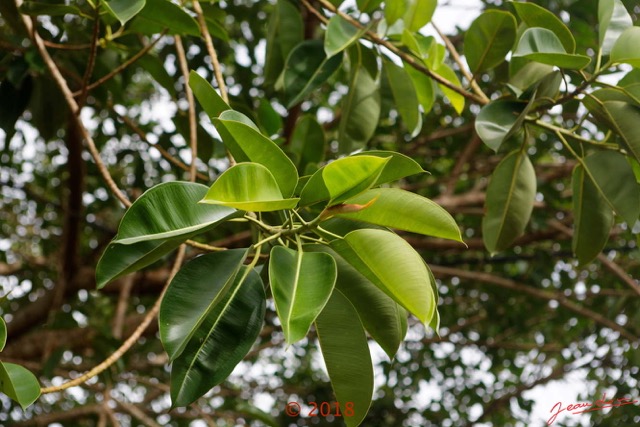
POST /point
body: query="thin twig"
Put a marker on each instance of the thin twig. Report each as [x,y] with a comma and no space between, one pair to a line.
[193,125]
[92,60]
[121,307]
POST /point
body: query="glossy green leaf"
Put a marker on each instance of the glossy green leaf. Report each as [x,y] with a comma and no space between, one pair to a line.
[19,384]
[537,16]
[286,30]
[456,99]
[342,179]
[390,263]
[425,88]
[382,317]
[613,19]
[625,50]
[399,166]
[193,294]
[301,283]
[593,217]
[340,34]
[221,341]
[248,187]
[159,14]
[509,201]
[346,356]
[528,76]
[368,6]
[496,120]
[614,179]
[489,39]
[35,8]
[308,142]
[247,144]
[393,10]
[361,105]
[404,95]
[306,69]
[624,119]
[403,210]
[211,102]
[542,45]
[418,13]
[3,333]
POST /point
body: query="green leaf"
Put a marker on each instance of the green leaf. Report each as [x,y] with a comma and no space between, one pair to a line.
[509,201]
[625,50]
[614,180]
[404,95]
[159,14]
[391,264]
[593,217]
[301,283]
[346,356]
[19,384]
[382,317]
[268,117]
[286,30]
[342,179]
[624,119]
[424,86]
[393,10]
[248,187]
[192,295]
[3,333]
[542,45]
[306,69]
[496,121]
[221,341]
[418,13]
[156,223]
[489,39]
[528,76]
[35,8]
[247,144]
[403,210]
[211,102]
[399,166]
[308,142]
[456,99]
[537,16]
[368,6]
[340,35]
[613,19]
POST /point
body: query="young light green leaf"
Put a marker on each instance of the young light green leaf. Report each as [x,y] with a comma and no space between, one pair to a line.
[403,210]
[418,13]
[340,35]
[593,217]
[625,50]
[425,88]
[19,384]
[361,105]
[456,99]
[207,96]
[613,19]
[157,15]
[489,39]
[393,10]
[342,179]
[404,95]
[247,144]
[301,283]
[509,201]
[248,187]
[221,341]
[391,264]
[192,295]
[614,180]
[306,69]
[496,120]
[308,142]
[382,317]
[399,166]
[346,355]
[3,333]
[537,16]
[542,45]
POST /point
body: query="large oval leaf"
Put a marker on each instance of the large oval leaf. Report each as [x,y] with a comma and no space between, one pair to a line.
[404,95]
[496,120]
[19,384]
[489,39]
[390,263]
[399,166]
[509,201]
[221,341]
[346,356]
[613,19]
[625,50]
[342,179]
[301,283]
[248,187]
[542,45]
[418,13]
[537,16]
[193,293]
[247,144]
[593,217]
[403,210]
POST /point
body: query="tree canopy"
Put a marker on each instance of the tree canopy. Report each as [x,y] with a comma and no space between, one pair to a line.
[316,213]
